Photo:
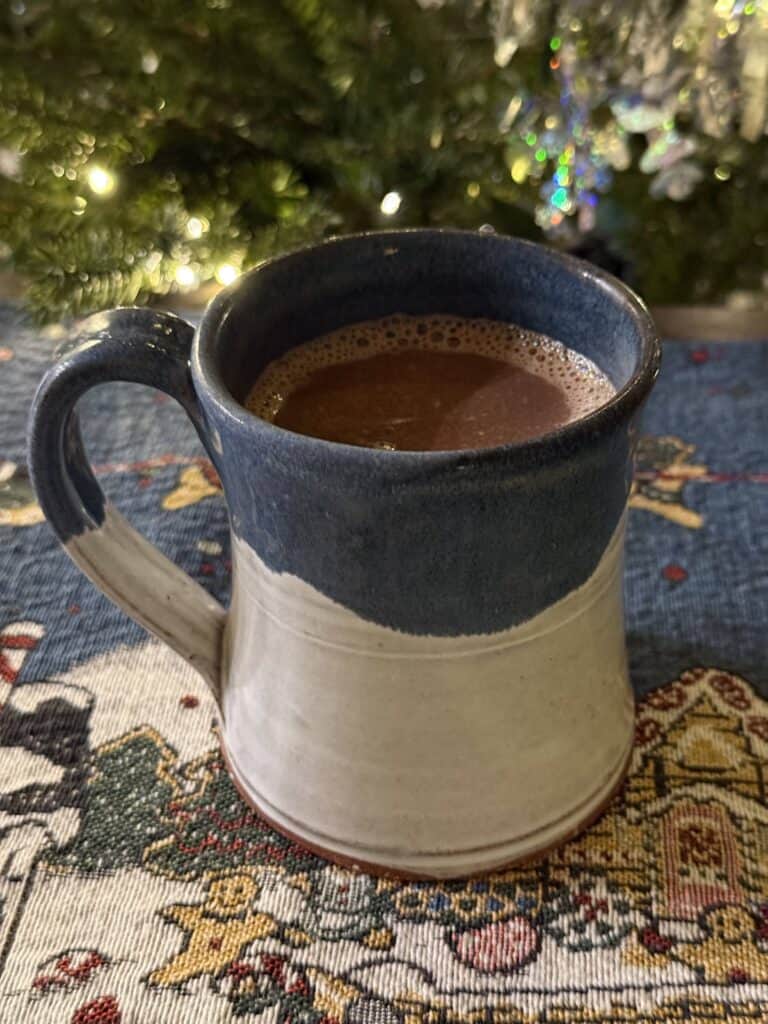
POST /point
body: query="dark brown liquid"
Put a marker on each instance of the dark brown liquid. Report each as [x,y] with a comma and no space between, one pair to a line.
[424,401]
[428,393]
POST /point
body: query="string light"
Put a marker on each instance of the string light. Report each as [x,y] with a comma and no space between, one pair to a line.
[101,181]
[150,62]
[390,203]
[513,109]
[196,227]
[473,189]
[227,273]
[560,199]
[519,169]
[186,277]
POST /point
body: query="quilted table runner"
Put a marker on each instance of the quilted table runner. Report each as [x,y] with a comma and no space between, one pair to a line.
[136,887]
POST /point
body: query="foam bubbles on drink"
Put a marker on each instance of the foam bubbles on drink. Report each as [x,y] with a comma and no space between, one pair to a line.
[584,385]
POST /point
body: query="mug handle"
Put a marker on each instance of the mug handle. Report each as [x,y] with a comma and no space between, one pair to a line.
[144,347]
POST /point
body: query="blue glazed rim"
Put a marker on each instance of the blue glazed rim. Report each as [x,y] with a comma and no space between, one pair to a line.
[535,451]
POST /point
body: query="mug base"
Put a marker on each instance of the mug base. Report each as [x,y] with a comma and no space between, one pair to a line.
[450,864]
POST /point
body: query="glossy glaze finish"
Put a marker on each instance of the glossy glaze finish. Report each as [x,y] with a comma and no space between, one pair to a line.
[423,666]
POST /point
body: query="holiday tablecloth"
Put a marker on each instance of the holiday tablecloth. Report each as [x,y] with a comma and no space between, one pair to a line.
[136,887]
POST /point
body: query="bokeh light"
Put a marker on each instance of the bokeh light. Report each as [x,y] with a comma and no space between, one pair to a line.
[100,181]
[391,203]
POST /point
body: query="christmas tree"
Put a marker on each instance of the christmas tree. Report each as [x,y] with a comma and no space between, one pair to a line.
[211,830]
[150,147]
[130,785]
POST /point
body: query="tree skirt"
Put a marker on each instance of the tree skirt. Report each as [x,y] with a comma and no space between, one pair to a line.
[135,886]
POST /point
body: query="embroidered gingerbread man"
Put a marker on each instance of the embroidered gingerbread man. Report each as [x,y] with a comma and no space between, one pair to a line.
[728,952]
[730,948]
[219,930]
[662,471]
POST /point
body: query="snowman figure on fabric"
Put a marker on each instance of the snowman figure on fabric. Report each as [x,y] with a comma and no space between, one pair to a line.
[341,904]
[44,758]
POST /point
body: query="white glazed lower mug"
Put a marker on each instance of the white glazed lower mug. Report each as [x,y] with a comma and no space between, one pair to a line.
[479,753]
[423,668]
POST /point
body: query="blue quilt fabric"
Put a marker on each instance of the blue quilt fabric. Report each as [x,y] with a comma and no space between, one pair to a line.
[697,553]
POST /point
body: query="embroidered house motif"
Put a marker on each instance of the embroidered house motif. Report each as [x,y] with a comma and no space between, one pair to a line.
[667,891]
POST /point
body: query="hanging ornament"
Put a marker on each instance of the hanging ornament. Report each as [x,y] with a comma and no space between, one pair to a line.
[665,148]
[714,81]
[513,23]
[676,182]
[636,114]
[582,170]
[754,78]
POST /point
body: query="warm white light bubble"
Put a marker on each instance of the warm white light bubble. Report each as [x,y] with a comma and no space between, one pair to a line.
[186,277]
[100,180]
[390,204]
[227,273]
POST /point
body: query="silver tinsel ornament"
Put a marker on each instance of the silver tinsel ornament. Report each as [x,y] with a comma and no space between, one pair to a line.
[704,63]
[514,24]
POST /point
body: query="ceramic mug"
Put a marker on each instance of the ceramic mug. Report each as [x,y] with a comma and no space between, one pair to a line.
[423,667]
